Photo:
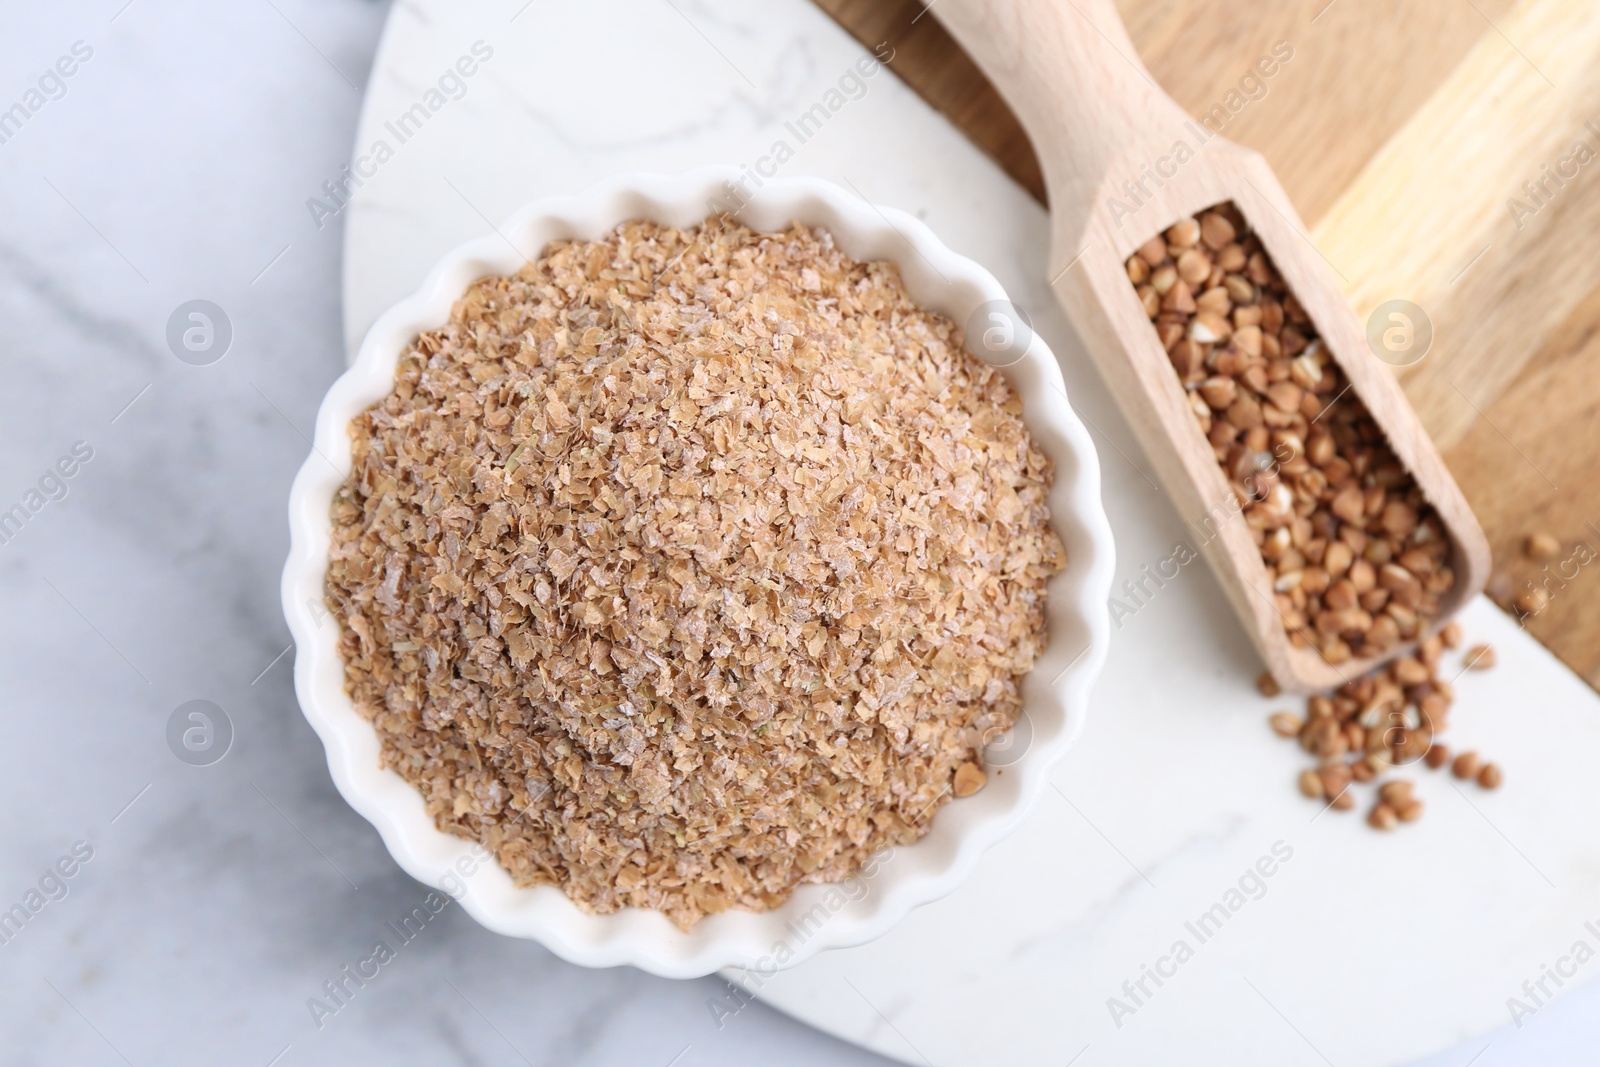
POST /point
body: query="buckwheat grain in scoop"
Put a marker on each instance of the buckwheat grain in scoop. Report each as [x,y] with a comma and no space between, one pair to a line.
[1359,559]
[688,566]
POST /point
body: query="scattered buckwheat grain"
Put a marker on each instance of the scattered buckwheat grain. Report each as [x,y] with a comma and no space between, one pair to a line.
[1381,721]
[1531,601]
[1286,724]
[1382,817]
[1541,546]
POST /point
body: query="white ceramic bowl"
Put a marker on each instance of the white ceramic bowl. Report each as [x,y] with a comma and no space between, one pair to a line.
[817,917]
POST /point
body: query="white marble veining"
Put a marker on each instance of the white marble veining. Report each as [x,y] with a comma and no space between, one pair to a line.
[220,899]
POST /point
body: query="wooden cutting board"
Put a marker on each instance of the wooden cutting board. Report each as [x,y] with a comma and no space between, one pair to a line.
[1405,131]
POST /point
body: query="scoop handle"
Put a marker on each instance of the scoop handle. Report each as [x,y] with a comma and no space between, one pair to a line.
[1072,76]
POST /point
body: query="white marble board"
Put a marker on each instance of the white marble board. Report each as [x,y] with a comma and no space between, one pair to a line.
[1362,949]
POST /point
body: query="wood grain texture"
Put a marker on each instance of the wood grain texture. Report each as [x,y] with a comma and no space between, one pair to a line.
[1400,131]
[926,59]
[1427,218]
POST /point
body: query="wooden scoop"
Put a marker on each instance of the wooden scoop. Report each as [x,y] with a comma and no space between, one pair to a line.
[1108,140]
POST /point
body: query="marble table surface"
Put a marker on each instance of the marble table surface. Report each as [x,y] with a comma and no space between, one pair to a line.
[192,884]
